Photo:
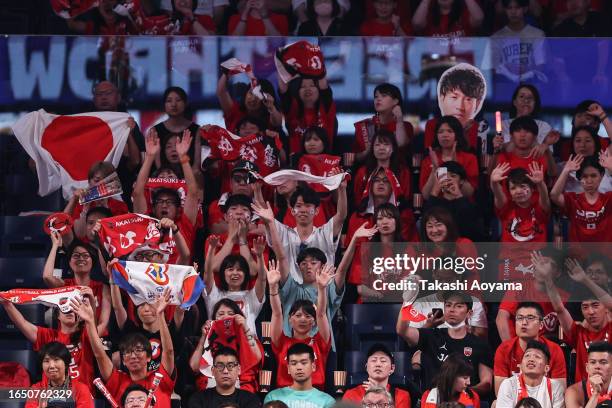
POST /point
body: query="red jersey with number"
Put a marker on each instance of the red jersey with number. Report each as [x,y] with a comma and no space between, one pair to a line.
[588,222]
[321,350]
[580,338]
[82,358]
[119,381]
[509,355]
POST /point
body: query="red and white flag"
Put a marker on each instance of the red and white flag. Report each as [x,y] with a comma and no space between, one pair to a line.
[318,165]
[300,58]
[219,143]
[65,147]
[59,297]
[72,8]
[124,233]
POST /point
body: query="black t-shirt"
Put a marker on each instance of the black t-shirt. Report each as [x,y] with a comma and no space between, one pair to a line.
[154,340]
[436,345]
[211,398]
[595,26]
[311,28]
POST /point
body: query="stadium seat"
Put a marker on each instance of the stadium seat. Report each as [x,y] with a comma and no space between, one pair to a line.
[21,273]
[355,361]
[27,358]
[23,236]
[35,314]
[22,191]
[372,323]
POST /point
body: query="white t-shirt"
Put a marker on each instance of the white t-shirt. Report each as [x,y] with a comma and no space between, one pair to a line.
[246,299]
[426,304]
[517,53]
[508,393]
[322,237]
[204,7]
[543,130]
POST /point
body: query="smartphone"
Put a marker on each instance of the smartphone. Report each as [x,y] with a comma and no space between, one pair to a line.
[437,312]
[442,172]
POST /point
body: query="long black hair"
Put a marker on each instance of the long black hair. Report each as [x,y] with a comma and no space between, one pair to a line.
[453,17]
[395,161]
[455,366]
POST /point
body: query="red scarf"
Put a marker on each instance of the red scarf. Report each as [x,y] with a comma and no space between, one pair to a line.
[318,165]
[300,59]
[602,397]
[122,234]
[522,389]
[255,148]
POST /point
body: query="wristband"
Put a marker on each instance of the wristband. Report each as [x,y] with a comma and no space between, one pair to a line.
[274,294]
[184,159]
[241,242]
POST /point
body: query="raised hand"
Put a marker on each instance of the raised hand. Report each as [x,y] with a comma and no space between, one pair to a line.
[542,266]
[152,142]
[364,232]
[214,241]
[182,145]
[397,113]
[498,173]
[273,273]
[82,308]
[325,275]
[596,109]
[131,123]
[538,151]
[240,321]
[552,137]
[605,159]
[435,163]
[536,172]
[265,213]
[259,245]
[573,163]
[206,327]
[88,293]
[167,223]
[233,229]
[162,301]
[575,271]
[56,239]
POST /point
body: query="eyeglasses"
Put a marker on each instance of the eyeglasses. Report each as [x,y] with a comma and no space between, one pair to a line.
[135,399]
[167,202]
[377,405]
[80,255]
[221,367]
[528,319]
[138,351]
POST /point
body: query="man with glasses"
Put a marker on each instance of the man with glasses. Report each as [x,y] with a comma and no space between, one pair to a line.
[135,354]
[508,357]
[225,370]
[378,397]
[135,396]
[301,365]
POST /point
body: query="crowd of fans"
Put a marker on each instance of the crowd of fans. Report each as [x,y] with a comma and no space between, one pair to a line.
[281,262]
[451,18]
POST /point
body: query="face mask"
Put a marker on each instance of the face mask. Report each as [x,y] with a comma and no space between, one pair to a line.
[323,9]
[457,326]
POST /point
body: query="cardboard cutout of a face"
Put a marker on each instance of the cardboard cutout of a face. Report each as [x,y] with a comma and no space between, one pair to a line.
[461,92]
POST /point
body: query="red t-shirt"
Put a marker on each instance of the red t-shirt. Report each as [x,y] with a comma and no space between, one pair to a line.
[467,160]
[471,135]
[401,397]
[361,180]
[509,354]
[296,125]
[374,28]
[580,338]
[512,299]
[119,381]
[81,394]
[588,222]
[98,290]
[321,350]
[365,129]
[522,162]
[81,365]
[522,224]
[460,28]
[256,27]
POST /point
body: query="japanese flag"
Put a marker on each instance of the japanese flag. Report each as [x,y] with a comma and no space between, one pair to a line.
[64,147]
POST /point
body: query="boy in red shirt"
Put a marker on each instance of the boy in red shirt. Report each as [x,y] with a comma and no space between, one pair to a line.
[596,325]
[136,353]
[589,211]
